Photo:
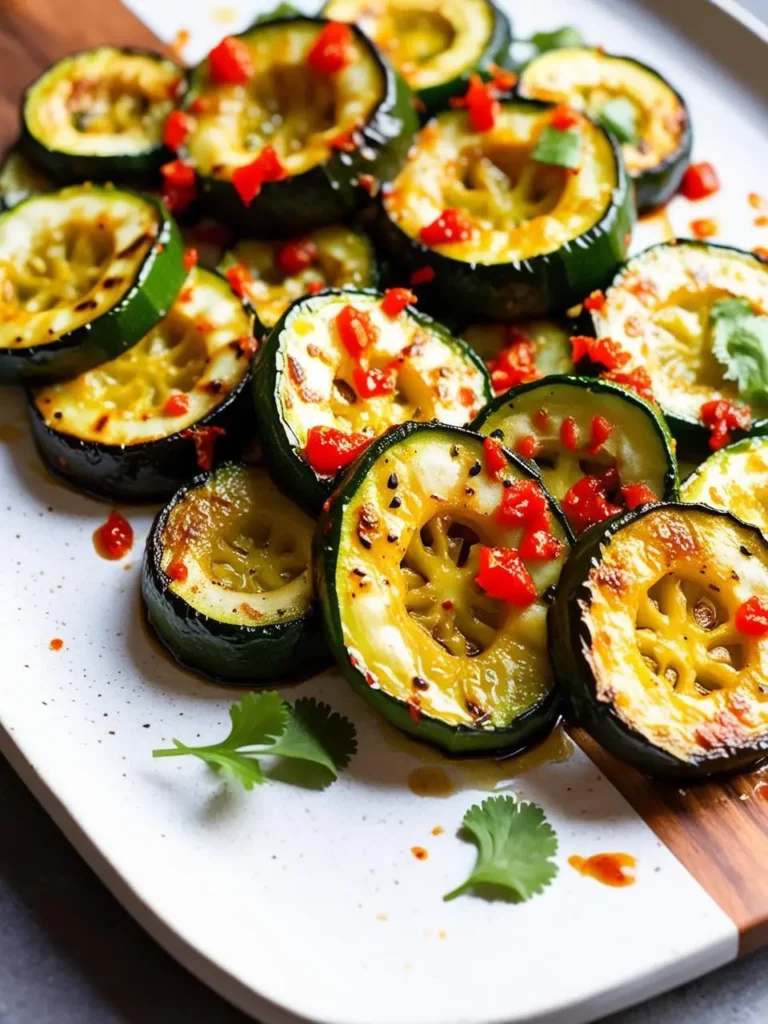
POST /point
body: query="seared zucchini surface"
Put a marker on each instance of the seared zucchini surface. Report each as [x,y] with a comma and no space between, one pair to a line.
[121,430]
[655,635]
[434,44]
[274,274]
[20,179]
[85,273]
[577,428]
[308,381]
[499,346]
[320,130]
[100,114]
[647,115]
[735,479]
[660,311]
[398,557]
[227,580]
[533,237]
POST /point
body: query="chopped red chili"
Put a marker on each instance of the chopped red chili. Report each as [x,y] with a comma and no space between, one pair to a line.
[396,299]
[230,63]
[481,103]
[204,439]
[635,495]
[200,105]
[603,351]
[371,383]
[503,575]
[315,287]
[539,544]
[751,617]
[721,417]
[528,446]
[356,330]
[450,227]
[328,450]
[467,397]
[190,259]
[503,79]
[239,279]
[587,503]
[541,418]
[700,181]
[601,431]
[177,571]
[638,380]
[114,539]
[368,183]
[564,117]
[515,364]
[704,228]
[331,50]
[422,275]
[178,126]
[295,256]
[569,434]
[523,502]
[176,405]
[495,459]
[345,140]
[249,178]
[595,302]
[179,189]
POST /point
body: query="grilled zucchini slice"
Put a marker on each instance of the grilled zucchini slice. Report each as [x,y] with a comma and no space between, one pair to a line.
[100,114]
[307,382]
[734,479]
[397,556]
[137,427]
[227,581]
[633,101]
[655,634]
[84,274]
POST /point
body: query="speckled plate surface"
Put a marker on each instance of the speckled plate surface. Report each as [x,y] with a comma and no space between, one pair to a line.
[302,905]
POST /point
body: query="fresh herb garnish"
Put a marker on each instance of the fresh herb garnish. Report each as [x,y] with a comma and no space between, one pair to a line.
[619,116]
[556,40]
[281,11]
[515,847]
[740,343]
[263,725]
[561,148]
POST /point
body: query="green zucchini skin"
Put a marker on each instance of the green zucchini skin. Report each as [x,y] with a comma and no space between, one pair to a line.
[20,179]
[457,741]
[252,656]
[70,168]
[147,472]
[329,191]
[156,286]
[536,287]
[569,643]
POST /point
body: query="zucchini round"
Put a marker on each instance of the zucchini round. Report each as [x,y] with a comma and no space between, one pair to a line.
[99,114]
[126,430]
[532,420]
[20,179]
[396,557]
[734,479]
[306,380]
[227,582]
[272,277]
[85,273]
[659,310]
[633,101]
[327,130]
[647,638]
[434,44]
[540,236]
[551,351]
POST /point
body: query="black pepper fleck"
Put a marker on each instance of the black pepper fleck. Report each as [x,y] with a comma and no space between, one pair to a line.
[392,482]
[475,469]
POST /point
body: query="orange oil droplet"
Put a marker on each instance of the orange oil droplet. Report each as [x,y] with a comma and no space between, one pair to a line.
[56,644]
[419,852]
[431,781]
[607,868]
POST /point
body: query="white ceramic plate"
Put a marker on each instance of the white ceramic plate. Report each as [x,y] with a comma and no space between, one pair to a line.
[306,905]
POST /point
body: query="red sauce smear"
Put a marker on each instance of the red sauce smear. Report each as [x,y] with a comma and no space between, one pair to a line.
[419,852]
[56,644]
[607,868]
[113,539]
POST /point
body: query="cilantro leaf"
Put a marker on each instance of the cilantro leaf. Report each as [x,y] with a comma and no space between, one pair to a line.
[282,10]
[556,40]
[561,148]
[619,116]
[317,733]
[232,765]
[740,343]
[515,844]
[257,719]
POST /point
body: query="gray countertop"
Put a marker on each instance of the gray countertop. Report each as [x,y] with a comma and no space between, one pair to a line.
[69,954]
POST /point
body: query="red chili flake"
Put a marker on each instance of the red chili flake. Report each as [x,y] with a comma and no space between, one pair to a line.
[538,544]
[114,539]
[239,279]
[179,189]
[295,256]
[204,439]
[177,571]
[368,184]
[356,330]
[523,502]
[587,503]
[331,50]
[601,431]
[178,126]
[704,228]
[721,417]
[450,227]
[190,259]
[315,287]
[422,275]
[751,617]
[186,294]
[541,418]
[467,397]
[635,495]
[230,63]
[503,575]
[595,302]
[482,106]
[396,299]
[603,351]
[569,434]
[372,383]
[515,364]
[328,450]
[528,446]
[56,644]
[176,405]
[638,380]
[700,181]
[249,178]
[345,140]
[503,79]
[200,105]
[415,712]
[564,117]
[495,459]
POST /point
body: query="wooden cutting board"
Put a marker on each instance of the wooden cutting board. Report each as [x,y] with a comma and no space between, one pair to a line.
[718,831]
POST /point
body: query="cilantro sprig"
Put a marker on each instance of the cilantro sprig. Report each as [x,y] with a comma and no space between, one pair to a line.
[556,40]
[515,847]
[264,725]
[740,344]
